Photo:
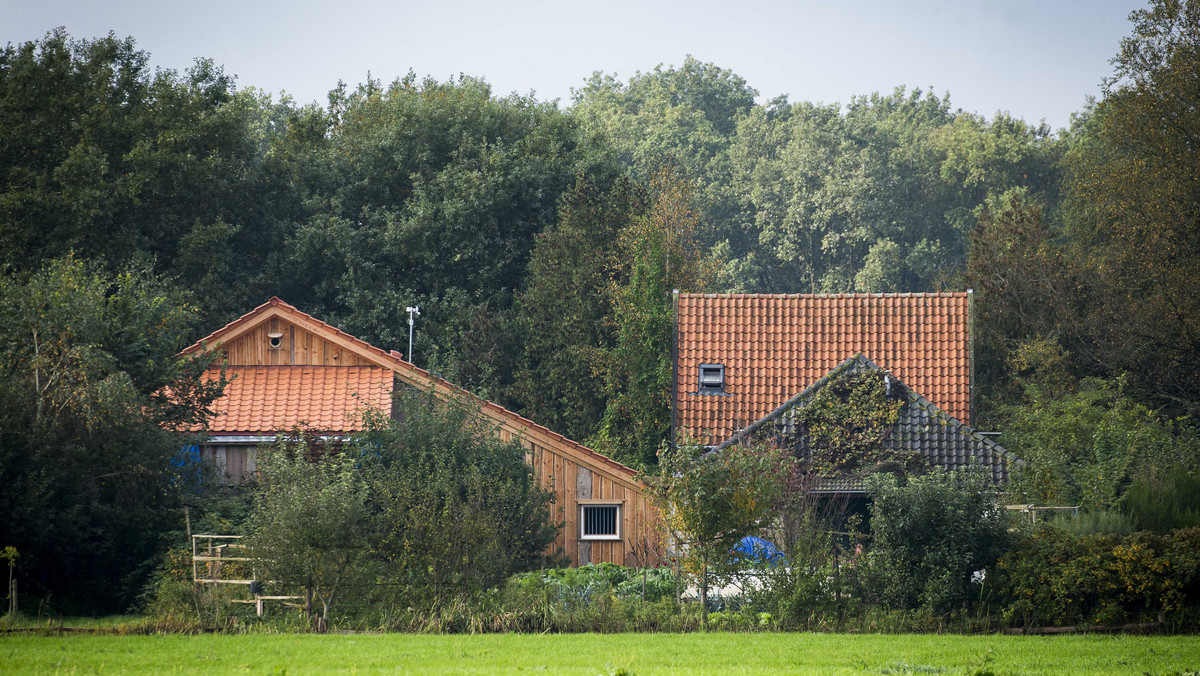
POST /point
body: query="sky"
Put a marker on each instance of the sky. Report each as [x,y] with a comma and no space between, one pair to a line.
[1038,60]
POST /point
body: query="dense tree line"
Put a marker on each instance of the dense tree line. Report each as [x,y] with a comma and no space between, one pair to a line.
[542,243]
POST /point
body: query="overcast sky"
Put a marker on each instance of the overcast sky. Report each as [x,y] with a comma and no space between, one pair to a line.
[1037,59]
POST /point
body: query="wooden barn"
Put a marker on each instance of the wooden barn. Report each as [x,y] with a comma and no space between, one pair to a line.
[287,368]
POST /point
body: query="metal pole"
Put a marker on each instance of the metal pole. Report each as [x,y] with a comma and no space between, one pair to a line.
[412,310]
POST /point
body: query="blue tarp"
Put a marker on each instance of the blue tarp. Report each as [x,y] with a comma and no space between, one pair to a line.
[187,463]
[758,549]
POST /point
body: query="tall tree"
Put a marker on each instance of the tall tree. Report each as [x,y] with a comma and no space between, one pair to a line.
[1133,209]
[878,198]
[90,390]
[658,253]
[437,190]
[564,312]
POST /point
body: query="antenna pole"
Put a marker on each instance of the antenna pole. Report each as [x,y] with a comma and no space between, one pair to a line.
[412,310]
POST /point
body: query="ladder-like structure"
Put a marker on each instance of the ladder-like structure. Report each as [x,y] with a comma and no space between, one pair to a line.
[213,552]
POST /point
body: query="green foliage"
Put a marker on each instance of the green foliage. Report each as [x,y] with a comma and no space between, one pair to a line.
[931,534]
[846,422]
[90,384]
[432,195]
[1084,443]
[586,584]
[710,502]
[1133,205]
[565,312]
[826,198]
[459,511]
[1096,522]
[112,160]
[657,253]
[1026,288]
[1051,577]
[312,525]
[1162,500]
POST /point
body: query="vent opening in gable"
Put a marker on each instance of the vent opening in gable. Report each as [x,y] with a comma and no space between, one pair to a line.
[712,378]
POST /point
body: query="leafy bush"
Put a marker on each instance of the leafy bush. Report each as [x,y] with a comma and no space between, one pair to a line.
[586,583]
[1164,500]
[459,511]
[1084,443]
[931,534]
[312,526]
[1053,578]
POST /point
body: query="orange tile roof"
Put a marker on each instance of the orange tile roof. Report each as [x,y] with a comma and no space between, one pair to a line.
[775,346]
[262,400]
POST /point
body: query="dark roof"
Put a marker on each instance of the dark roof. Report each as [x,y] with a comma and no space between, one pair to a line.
[773,346]
[920,427]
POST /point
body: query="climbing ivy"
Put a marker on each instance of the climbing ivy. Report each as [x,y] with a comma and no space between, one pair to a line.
[843,427]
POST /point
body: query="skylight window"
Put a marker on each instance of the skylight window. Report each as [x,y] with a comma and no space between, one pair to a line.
[712,378]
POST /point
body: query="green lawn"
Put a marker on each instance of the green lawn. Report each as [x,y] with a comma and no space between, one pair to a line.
[600,654]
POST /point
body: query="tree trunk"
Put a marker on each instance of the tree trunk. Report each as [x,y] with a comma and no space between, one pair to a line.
[308,604]
[704,593]
[675,570]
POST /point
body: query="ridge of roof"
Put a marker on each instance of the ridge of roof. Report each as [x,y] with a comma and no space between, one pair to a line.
[913,294]
[395,360]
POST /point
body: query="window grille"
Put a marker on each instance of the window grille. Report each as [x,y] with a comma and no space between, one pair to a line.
[600,522]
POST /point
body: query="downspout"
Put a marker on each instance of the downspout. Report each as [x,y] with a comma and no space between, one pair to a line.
[674,363]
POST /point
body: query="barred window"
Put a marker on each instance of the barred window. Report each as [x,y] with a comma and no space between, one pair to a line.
[600,522]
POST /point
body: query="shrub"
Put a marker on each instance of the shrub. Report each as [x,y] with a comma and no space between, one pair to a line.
[931,534]
[1053,578]
[460,511]
[1096,522]
[1164,500]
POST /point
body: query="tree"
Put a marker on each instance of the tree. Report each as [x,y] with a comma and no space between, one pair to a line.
[90,391]
[564,314]
[877,198]
[1028,287]
[434,192]
[1133,206]
[710,502]
[311,526]
[1084,442]
[106,158]
[459,511]
[682,118]
[658,253]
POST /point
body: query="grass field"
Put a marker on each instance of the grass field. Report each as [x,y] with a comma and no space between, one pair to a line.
[600,654]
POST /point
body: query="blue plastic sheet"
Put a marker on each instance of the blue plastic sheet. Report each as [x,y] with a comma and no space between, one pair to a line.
[758,549]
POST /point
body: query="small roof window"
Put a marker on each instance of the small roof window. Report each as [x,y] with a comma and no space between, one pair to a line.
[712,378]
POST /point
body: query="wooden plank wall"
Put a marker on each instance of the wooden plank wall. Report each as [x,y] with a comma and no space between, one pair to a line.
[235,463]
[297,348]
[570,481]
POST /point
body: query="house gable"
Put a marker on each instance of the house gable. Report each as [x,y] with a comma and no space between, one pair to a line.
[920,427]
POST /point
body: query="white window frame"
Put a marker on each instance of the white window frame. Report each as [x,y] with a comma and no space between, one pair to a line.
[583,507]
